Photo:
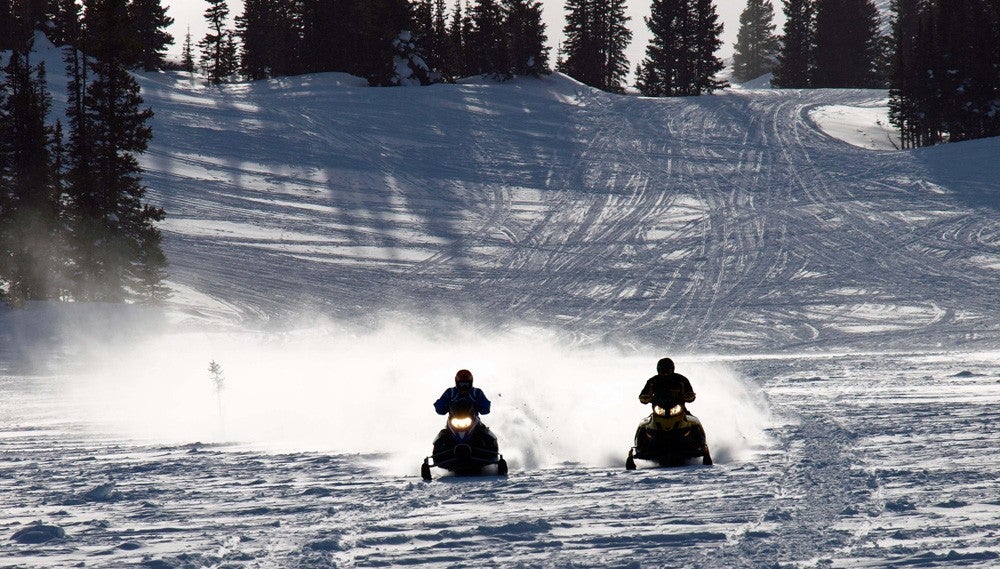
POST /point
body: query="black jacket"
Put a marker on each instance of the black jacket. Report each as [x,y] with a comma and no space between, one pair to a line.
[670,389]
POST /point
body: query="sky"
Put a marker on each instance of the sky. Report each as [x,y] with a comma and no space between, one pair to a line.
[190,13]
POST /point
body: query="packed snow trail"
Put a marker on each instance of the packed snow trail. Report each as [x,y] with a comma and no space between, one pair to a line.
[717,223]
[857,476]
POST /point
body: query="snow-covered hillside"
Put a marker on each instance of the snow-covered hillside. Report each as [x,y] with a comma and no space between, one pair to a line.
[342,250]
[721,223]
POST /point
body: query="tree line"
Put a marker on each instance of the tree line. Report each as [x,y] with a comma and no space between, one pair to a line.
[940,59]
[74,223]
[946,70]
[388,42]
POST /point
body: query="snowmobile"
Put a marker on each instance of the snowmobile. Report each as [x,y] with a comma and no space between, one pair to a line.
[465,446]
[670,436]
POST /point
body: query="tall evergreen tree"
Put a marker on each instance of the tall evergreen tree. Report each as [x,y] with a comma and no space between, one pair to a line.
[596,38]
[680,58]
[116,250]
[946,77]
[488,42]
[187,53]
[430,34]
[578,51]
[109,32]
[271,33]
[422,17]
[65,26]
[902,107]
[756,44]
[969,72]
[380,24]
[526,38]
[795,59]
[459,29]
[18,22]
[660,73]
[331,33]
[218,50]
[614,37]
[151,22]
[708,40]
[846,44]
[6,25]
[30,264]
[437,43]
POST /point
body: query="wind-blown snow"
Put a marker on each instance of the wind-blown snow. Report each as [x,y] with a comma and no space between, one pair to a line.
[340,251]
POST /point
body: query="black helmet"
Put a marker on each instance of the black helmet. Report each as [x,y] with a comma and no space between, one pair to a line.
[664,366]
[463,379]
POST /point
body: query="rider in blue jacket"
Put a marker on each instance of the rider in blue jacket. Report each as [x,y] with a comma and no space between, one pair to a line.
[463,390]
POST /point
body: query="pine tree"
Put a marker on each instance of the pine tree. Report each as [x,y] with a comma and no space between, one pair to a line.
[423,18]
[437,43]
[946,74]
[18,22]
[526,38]
[846,43]
[488,43]
[659,74]
[902,111]
[218,49]
[187,53]
[109,32]
[151,22]
[882,71]
[596,38]
[708,40]
[579,50]
[331,33]
[6,199]
[795,59]
[410,66]
[271,33]
[457,60]
[116,253]
[968,75]
[614,37]
[429,35]
[20,18]
[65,28]
[380,24]
[756,45]
[29,198]
[680,58]
[6,25]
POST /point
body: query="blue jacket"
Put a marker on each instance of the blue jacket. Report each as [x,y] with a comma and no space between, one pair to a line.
[444,402]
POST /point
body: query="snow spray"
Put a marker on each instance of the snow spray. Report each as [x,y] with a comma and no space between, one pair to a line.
[327,389]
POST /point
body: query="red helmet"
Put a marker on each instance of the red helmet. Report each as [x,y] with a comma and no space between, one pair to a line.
[463,378]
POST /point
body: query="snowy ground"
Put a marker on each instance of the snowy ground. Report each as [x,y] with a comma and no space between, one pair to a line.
[340,251]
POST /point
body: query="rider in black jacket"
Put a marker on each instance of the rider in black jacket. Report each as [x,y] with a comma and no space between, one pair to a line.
[667,387]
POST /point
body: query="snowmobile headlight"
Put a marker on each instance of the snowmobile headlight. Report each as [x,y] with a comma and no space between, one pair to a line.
[660,411]
[461,423]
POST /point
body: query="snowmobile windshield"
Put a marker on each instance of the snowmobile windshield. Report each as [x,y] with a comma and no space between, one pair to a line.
[463,408]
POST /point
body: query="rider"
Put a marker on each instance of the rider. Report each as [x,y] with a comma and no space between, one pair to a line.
[667,387]
[463,390]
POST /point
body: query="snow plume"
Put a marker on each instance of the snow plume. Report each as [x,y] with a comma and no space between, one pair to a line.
[328,389]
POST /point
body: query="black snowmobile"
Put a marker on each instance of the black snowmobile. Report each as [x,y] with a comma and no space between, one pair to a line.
[465,446]
[670,436]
